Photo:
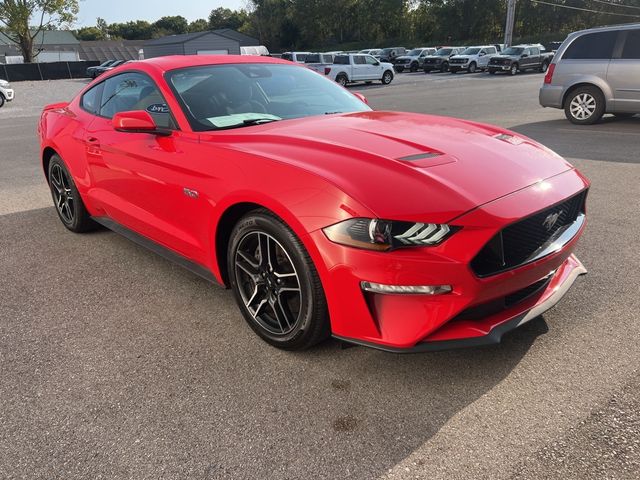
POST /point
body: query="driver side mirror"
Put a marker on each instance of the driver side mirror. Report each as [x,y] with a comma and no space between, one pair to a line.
[361,97]
[525,55]
[481,54]
[137,121]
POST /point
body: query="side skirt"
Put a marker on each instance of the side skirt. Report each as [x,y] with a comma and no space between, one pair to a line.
[156,248]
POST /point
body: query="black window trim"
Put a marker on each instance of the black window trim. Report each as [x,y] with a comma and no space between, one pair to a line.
[145,74]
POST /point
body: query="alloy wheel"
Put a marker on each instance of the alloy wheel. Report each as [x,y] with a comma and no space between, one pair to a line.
[583,106]
[268,283]
[62,194]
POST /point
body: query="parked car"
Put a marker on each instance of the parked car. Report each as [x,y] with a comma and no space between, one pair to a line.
[92,72]
[371,51]
[356,67]
[472,59]
[387,55]
[100,70]
[521,58]
[400,231]
[6,92]
[318,61]
[297,57]
[413,60]
[440,60]
[595,72]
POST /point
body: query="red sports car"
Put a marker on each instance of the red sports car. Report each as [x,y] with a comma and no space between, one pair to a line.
[400,231]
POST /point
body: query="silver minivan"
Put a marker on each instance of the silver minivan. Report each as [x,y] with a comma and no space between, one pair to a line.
[595,72]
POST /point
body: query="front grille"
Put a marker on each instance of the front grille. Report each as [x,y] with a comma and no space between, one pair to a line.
[487,309]
[519,243]
[458,60]
[499,61]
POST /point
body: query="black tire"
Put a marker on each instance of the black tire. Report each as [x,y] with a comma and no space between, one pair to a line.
[413,67]
[445,67]
[515,68]
[427,70]
[624,115]
[1,100]
[584,106]
[368,82]
[452,71]
[387,77]
[66,198]
[473,67]
[342,79]
[492,71]
[544,67]
[302,320]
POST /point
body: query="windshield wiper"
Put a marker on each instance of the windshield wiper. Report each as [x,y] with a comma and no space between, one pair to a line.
[258,121]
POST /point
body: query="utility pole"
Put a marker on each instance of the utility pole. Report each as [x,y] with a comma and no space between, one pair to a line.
[511,18]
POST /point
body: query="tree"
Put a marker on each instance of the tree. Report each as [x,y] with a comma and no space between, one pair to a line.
[17,15]
[170,26]
[89,33]
[199,25]
[136,30]
[227,18]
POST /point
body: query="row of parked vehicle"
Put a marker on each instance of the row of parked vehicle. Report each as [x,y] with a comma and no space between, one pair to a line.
[93,72]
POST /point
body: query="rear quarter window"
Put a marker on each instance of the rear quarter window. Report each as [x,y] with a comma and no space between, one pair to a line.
[592,46]
[631,50]
[90,101]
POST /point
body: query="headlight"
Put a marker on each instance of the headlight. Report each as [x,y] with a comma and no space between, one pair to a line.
[382,235]
[4,83]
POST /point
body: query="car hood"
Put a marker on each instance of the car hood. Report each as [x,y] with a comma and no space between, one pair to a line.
[468,57]
[406,57]
[404,166]
[510,57]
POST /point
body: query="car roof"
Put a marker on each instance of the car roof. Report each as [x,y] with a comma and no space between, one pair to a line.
[623,26]
[173,62]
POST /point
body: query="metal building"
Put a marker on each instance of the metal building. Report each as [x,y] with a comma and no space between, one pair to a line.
[215,42]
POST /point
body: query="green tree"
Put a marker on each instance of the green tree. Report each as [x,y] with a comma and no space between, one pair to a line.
[226,18]
[135,30]
[199,25]
[89,33]
[17,16]
[172,25]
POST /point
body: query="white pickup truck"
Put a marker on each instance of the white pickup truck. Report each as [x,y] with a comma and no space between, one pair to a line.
[356,67]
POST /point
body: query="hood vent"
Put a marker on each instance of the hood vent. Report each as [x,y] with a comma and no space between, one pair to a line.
[419,156]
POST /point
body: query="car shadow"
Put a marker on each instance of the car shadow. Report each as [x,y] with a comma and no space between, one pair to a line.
[121,326]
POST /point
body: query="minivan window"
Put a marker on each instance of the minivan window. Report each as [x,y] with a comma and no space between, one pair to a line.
[592,46]
[632,46]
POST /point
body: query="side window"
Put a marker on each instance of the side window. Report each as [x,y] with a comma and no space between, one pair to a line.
[135,91]
[359,60]
[370,60]
[491,50]
[592,46]
[632,45]
[535,51]
[91,99]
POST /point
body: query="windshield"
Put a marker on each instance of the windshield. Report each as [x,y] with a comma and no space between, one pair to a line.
[386,51]
[513,51]
[218,97]
[415,52]
[444,52]
[376,51]
[471,51]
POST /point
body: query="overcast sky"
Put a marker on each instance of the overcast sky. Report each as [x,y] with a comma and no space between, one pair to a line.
[151,10]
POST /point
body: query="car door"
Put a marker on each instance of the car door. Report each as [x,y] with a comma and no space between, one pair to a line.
[375,69]
[139,179]
[624,73]
[360,68]
[535,57]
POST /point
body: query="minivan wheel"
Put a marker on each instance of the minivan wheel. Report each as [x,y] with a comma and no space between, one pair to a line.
[585,106]
[275,283]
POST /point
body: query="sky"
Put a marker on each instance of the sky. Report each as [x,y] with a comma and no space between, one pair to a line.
[125,10]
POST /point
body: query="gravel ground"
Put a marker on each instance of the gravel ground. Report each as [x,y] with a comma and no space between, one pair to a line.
[117,364]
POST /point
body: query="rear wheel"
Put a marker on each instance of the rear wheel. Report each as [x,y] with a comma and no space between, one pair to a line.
[66,198]
[342,79]
[584,106]
[387,78]
[275,283]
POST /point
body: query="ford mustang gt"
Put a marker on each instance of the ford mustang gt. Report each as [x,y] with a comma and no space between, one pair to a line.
[400,231]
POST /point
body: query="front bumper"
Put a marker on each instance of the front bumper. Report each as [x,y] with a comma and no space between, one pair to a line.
[504,68]
[8,94]
[433,322]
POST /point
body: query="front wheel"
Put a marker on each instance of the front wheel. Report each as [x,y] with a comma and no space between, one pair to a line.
[414,67]
[492,71]
[473,67]
[585,106]
[66,198]
[514,69]
[275,283]
[445,67]
[1,100]
[387,78]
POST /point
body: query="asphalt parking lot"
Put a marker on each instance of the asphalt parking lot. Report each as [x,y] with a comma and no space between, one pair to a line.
[115,363]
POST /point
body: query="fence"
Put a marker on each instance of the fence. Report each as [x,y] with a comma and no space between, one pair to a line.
[45,71]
